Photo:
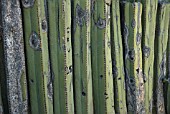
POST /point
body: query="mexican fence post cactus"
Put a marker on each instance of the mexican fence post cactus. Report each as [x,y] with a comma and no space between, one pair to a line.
[101,57]
[59,17]
[82,56]
[38,68]
[132,33]
[160,54]
[117,60]
[148,38]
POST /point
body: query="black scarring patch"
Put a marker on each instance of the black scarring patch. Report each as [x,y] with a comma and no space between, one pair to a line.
[28,3]
[35,42]
[131,54]
[131,81]
[146,51]
[133,23]
[144,77]
[83,93]
[80,15]
[162,68]
[138,38]
[101,23]
[44,25]
[114,69]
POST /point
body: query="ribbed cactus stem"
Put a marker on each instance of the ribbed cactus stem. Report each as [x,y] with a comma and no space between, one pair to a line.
[117,60]
[47,82]
[133,56]
[59,17]
[101,57]
[55,56]
[82,57]
[109,93]
[168,72]
[34,57]
[2,70]
[68,57]
[160,54]
[148,38]
[90,108]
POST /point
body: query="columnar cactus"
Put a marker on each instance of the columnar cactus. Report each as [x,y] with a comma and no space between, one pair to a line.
[132,33]
[101,57]
[117,60]
[82,57]
[12,36]
[148,38]
[2,68]
[168,73]
[35,34]
[59,13]
[160,54]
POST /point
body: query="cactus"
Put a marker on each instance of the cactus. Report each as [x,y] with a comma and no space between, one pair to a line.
[101,58]
[168,73]
[2,67]
[148,37]
[117,60]
[35,26]
[82,57]
[15,74]
[2,75]
[61,55]
[133,56]
[160,52]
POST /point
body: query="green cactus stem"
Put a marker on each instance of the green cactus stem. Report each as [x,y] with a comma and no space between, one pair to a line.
[82,57]
[168,73]
[160,54]
[132,34]
[35,34]
[101,58]
[117,60]
[148,37]
[59,13]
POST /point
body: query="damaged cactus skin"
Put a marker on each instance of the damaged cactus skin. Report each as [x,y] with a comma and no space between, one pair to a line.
[133,56]
[15,79]
[101,57]
[59,13]
[3,96]
[117,58]
[168,73]
[82,57]
[161,41]
[149,25]
[37,58]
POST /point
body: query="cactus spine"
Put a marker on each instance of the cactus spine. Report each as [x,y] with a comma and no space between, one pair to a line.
[133,58]
[117,60]
[160,52]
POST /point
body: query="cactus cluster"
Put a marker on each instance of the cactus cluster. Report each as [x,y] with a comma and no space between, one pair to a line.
[84,56]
